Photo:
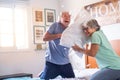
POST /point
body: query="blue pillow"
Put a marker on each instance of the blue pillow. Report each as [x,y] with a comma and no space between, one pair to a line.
[23,78]
[36,79]
[18,78]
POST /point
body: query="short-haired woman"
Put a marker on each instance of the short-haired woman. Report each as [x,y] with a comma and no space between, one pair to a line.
[107,59]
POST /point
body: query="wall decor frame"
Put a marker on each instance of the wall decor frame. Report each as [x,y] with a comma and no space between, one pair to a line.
[38,32]
[106,12]
[50,16]
[38,17]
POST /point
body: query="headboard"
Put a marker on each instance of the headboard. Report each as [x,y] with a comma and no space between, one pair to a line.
[116,46]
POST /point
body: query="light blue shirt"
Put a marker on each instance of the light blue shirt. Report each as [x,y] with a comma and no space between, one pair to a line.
[106,56]
[56,53]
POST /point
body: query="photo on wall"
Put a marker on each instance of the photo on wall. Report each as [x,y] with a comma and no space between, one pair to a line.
[38,34]
[38,17]
[50,16]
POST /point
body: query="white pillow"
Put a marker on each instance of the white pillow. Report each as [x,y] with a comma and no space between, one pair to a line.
[76,60]
[74,33]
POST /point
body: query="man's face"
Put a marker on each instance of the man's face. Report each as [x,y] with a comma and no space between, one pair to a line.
[65,19]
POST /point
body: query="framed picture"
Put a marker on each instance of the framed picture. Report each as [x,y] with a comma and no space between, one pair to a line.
[38,34]
[38,17]
[50,16]
[104,15]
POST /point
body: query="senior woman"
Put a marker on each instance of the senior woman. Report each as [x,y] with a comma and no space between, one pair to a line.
[107,60]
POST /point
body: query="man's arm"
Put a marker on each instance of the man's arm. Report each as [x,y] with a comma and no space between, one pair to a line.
[48,36]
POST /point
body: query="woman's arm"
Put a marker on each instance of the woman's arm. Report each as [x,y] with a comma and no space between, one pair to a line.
[90,52]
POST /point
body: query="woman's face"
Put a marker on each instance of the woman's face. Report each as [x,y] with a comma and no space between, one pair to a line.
[88,30]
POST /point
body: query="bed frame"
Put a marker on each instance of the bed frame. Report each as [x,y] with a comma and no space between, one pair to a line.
[16,75]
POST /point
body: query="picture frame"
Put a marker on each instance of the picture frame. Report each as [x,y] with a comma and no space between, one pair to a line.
[38,17]
[38,34]
[104,15]
[50,16]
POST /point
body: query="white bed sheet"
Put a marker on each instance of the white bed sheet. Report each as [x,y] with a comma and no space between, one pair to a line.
[85,73]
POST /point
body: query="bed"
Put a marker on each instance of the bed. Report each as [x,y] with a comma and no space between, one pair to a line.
[83,74]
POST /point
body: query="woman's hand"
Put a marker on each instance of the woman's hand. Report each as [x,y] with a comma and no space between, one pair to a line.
[90,52]
[77,48]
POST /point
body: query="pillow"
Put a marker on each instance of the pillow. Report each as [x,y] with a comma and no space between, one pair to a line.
[74,33]
[76,60]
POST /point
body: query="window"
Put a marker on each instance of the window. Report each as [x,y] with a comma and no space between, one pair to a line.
[13,25]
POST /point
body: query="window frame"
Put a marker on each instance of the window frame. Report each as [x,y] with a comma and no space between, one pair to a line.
[14,48]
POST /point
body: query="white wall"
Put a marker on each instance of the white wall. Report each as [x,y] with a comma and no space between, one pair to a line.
[21,62]
[50,4]
[75,4]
